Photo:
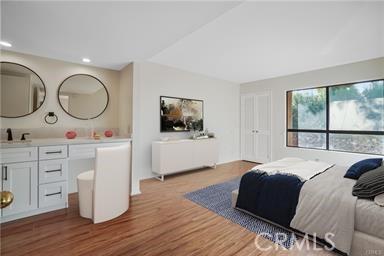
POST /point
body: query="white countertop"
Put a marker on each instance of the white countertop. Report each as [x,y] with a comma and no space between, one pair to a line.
[61,141]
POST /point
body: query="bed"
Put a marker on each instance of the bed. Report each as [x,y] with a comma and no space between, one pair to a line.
[325,203]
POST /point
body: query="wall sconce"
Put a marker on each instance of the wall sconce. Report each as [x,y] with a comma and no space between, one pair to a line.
[51,118]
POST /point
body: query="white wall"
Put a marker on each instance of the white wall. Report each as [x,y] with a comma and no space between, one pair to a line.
[360,71]
[221,111]
[53,72]
[125,100]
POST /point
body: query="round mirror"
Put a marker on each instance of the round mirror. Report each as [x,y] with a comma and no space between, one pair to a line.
[83,96]
[22,90]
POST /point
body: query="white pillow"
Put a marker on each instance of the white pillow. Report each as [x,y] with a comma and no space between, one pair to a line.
[379,200]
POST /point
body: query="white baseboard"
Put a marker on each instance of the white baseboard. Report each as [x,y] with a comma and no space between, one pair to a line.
[135,192]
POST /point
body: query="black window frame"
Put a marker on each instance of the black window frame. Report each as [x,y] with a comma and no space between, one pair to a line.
[327,131]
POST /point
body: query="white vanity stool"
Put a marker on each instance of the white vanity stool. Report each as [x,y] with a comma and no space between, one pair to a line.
[85,187]
[104,193]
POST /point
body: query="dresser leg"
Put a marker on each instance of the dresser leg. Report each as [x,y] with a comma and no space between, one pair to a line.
[160,178]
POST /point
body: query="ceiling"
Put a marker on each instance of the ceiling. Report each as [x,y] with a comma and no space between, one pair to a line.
[231,40]
[111,34]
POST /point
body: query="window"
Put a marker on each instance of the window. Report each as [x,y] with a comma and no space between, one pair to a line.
[346,117]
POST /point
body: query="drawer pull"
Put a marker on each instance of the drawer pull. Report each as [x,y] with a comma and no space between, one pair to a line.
[53,194]
[58,170]
[54,152]
[5,172]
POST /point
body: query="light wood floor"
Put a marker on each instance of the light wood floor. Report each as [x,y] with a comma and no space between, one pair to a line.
[159,222]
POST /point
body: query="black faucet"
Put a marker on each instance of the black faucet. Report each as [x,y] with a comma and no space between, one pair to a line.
[23,135]
[9,131]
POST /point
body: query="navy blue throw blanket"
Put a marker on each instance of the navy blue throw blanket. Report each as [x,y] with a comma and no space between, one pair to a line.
[273,197]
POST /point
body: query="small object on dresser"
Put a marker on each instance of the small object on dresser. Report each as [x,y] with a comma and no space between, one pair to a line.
[96,136]
[108,133]
[70,135]
[211,134]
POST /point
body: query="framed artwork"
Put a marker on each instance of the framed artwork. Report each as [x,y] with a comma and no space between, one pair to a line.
[180,114]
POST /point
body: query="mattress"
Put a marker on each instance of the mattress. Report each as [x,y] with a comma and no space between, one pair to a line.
[369,218]
[363,243]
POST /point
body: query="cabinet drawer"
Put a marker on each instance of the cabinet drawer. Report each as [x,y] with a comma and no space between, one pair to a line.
[85,151]
[52,194]
[53,152]
[14,155]
[53,170]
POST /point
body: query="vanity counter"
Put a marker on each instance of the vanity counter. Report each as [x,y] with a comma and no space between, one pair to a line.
[42,172]
[61,141]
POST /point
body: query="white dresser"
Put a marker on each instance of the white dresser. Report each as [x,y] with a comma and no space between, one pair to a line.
[37,173]
[179,155]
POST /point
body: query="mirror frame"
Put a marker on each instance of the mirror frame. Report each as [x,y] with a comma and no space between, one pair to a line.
[105,88]
[45,89]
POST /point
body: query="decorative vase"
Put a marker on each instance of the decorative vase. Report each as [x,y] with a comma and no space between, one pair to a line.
[70,135]
[108,133]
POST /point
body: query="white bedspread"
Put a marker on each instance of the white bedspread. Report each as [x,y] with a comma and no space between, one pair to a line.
[301,168]
[326,205]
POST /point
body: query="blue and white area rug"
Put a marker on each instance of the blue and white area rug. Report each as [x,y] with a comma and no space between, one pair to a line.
[217,198]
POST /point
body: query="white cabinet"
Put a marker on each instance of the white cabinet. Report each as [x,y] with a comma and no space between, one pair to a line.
[21,180]
[205,152]
[38,185]
[174,156]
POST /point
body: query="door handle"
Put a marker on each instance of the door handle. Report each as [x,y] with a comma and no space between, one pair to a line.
[58,170]
[53,194]
[5,172]
[53,152]
[6,198]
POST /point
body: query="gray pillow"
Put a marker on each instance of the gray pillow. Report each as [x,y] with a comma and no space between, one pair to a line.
[379,200]
[370,184]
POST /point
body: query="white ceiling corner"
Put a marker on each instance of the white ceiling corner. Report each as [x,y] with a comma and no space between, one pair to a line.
[259,40]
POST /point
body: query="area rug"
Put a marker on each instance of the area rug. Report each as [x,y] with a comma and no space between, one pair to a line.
[217,198]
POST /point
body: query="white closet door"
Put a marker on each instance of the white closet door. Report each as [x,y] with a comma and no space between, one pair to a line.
[256,127]
[247,127]
[262,128]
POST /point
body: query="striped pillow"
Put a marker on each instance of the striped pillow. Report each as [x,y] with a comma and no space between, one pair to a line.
[370,184]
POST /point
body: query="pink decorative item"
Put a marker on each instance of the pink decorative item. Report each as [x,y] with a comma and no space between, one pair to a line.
[108,133]
[70,134]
